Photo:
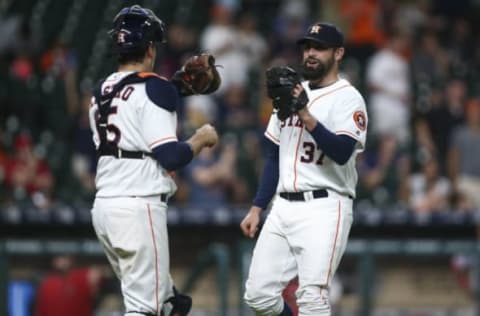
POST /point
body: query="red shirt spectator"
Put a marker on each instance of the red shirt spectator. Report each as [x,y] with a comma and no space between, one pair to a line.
[68,291]
[27,170]
[69,294]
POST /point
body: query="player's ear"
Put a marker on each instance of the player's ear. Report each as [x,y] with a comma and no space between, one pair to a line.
[151,51]
[339,52]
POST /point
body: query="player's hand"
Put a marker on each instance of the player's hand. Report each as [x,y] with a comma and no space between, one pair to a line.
[249,224]
[208,135]
[297,90]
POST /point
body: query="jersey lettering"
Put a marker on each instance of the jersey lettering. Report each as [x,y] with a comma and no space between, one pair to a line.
[293,120]
[123,94]
[127,91]
[309,153]
[112,128]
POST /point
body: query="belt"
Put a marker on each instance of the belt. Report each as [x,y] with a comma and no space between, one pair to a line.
[119,153]
[164,197]
[304,196]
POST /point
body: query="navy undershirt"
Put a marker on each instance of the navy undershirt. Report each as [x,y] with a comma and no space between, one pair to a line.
[173,155]
[339,148]
[269,179]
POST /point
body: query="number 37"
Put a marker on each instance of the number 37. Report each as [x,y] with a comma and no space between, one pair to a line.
[309,154]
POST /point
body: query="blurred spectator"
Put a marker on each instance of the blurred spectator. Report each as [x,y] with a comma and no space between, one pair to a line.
[28,174]
[434,127]
[199,110]
[383,172]
[84,157]
[211,176]
[69,290]
[21,67]
[234,107]
[250,41]
[180,45]
[363,27]
[389,84]
[17,36]
[290,23]
[460,46]
[430,63]
[219,38]
[60,62]
[464,165]
[428,190]
[413,16]
[3,165]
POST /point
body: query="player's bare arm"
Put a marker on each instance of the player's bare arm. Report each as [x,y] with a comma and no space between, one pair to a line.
[205,136]
[249,224]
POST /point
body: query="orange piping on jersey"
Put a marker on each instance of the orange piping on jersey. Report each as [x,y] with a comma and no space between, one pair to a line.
[327,93]
[295,162]
[272,137]
[150,74]
[349,134]
[156,256]
[335,242]
[161,140]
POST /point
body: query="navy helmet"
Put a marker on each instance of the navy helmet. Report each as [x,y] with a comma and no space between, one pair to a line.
[134,28]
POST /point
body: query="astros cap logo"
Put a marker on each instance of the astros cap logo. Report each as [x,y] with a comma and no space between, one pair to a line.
[121,37]
[315,29]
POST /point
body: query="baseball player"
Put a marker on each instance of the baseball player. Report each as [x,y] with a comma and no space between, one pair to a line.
[312,139]
[133,120]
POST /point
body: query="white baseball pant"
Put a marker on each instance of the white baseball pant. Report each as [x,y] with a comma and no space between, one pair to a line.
[307,239]
[133,233]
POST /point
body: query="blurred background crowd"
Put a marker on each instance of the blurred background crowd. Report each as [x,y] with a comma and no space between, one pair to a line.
[416,63]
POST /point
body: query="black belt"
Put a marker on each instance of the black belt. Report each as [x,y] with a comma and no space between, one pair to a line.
[300,196]
[127,154]
[164,197]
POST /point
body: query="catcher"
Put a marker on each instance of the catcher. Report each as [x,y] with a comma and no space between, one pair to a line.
[133,119]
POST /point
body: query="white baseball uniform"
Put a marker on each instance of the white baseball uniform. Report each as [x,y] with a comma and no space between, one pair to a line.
[307,238]
[128,215]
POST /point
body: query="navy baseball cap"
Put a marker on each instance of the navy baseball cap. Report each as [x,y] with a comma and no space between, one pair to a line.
[325,34]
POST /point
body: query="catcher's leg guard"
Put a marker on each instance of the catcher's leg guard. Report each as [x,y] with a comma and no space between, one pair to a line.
[181,304]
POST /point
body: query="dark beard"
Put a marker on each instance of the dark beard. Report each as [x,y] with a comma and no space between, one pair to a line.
[319,72]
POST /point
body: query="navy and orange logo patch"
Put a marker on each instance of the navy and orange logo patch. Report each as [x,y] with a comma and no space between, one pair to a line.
[360,120]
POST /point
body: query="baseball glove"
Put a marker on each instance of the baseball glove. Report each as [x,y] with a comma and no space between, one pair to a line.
[280,84]
[198,75]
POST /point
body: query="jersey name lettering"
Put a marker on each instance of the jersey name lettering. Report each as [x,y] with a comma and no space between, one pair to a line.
[124,94]
[293,120]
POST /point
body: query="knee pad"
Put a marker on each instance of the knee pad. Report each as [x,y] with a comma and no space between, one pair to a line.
[313,300]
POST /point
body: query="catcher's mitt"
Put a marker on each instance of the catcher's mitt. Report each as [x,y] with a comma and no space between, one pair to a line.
[280,84]
[198,75]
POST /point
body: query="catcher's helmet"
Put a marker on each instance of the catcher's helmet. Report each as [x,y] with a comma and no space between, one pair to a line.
[134,28]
